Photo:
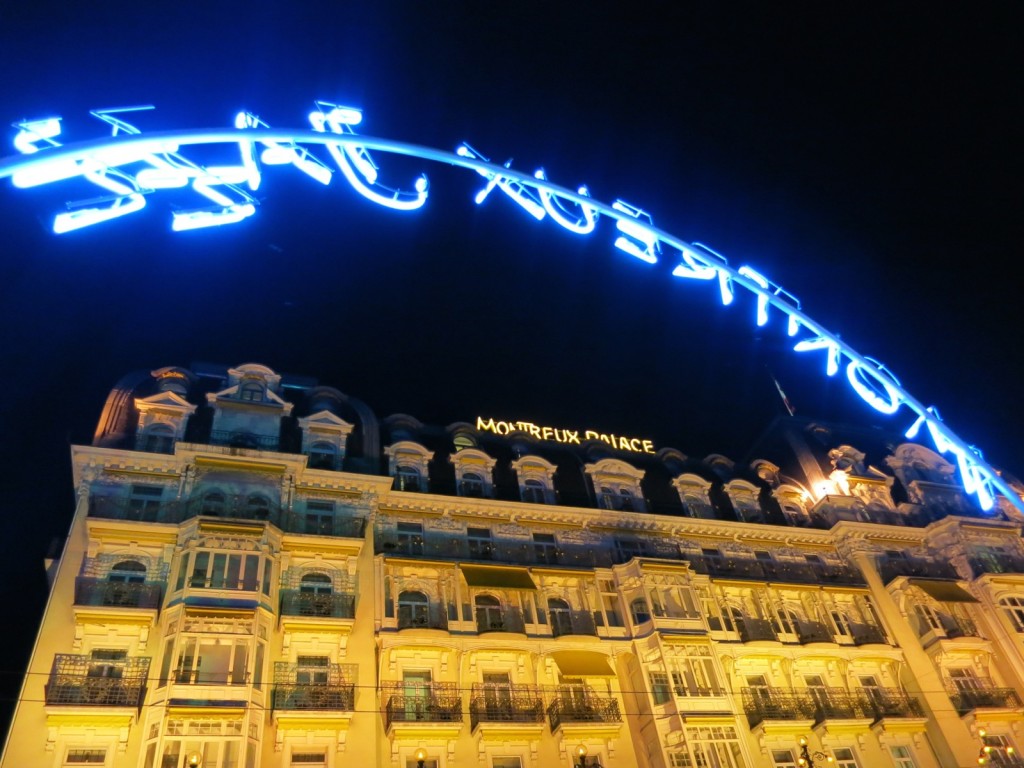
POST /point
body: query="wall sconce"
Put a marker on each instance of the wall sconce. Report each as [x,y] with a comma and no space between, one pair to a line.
[421,756]
[194,759]
[807,758]
[580,754]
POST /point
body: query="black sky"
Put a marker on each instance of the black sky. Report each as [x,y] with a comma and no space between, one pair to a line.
[867,158]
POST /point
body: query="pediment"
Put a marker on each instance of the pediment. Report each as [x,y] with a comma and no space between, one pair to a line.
[164,401]
[325,420]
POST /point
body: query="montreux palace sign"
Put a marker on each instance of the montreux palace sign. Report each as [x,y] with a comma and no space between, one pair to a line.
[569,436]
[121,171]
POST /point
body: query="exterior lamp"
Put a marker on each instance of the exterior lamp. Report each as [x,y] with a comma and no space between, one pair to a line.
[807,758]
[194,759]
[581,753]
[421,756]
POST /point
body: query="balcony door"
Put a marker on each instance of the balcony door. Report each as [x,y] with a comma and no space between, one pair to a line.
[416,684]
[498,694]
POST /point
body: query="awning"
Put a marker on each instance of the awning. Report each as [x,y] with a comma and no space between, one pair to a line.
[582,664]
[498,578]
[944,591]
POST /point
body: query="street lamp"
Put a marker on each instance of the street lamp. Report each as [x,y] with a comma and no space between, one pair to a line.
[807,758]
[421,756]
[581,753]
[194,759]
[986,750]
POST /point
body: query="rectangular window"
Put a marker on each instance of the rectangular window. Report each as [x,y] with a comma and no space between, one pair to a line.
[85,757]
[902,758]
[713,746]
[545,548]
[212,661]
[310,759]
[319,518]
[221,570]
[695,673]
[783,758]
[659,687]
[410,538]
[144,502]
[479,541]
[507,762]
[844,758]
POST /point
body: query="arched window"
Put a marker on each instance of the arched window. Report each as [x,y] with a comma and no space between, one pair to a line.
[323,456]
[214,504]
[639,611]
[561,617]
[785,622]
[407,478]
[130,571]
[534,492]
[732,618]
[472,485]
[158,438]
[488,613]
[257,507]
[251,391]
[1013,607]
[413,610]
[315,595]
[842,623]
[120,588]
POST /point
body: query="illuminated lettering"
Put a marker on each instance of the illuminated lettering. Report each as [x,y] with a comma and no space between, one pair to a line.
[876,386]
[581,225]
[648,239]
[130,167]
[830,345]
[519,192]
[356,164]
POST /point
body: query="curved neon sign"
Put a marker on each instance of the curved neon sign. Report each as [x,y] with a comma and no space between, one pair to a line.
[129,166]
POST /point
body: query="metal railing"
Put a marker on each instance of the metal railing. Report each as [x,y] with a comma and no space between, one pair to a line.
[117,594]
[420,616]
[755,629]
[966,700]
[117,508]
[1002,564]
[335,605]
[572,623]
[814,632]
[326,687]
[82,680]
[866,634]
[509,620]
[422,703]
[511,551]
[242,439]
[505,704]
[577,707]
[825,703]
[891,568]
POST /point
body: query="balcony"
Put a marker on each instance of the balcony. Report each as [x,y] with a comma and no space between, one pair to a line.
[299,687]
[341,524]
[783,571]
[1002,564]
[335,605]
[880,703]
[83,680]
[423,616]
[762,704]
[814,632]
[505,704]
[117,594]
[508,619]
[422,703]
[243,439]
[513,552]
[892,568]
[574,706]
[117,508]
[835,704]
[984,696]
[868,634]
[755,629]
[572,623]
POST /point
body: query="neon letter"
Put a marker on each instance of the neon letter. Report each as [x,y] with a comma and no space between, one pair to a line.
[876,386]
[825,343]
[552,204]
[651,247]
[518,191]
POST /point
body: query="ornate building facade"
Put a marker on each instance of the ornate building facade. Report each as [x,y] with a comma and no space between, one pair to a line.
[260,573]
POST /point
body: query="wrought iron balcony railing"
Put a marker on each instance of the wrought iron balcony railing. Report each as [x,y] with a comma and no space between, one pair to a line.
[1002,564]
[575,707]
[422,703]
[814,632]
[83,680]
[790,572]
[242,439]
[762,704]
[429,616]
[825,703]
[893,567]
[111,508]
[866,634]
[315,687]
[343,524]
[755,629]
[336,605]
[505,704]
[889,702]
[572,623]
[117,594]
[514,552]
[509,619]
[973,698]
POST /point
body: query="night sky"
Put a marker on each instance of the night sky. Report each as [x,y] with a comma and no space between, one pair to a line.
[868,161]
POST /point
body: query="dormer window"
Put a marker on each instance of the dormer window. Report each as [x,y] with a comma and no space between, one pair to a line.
[473,470]
[536,479]
[251,391]
[471,484]
[257,507]
[214,504]
[616,485]
[407,478]
[323,456]
[534,492]
[158,438]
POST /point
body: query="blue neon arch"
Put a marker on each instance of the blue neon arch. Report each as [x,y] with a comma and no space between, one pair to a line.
[131,165]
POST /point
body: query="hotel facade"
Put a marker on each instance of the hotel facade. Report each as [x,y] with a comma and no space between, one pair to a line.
[262,573]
